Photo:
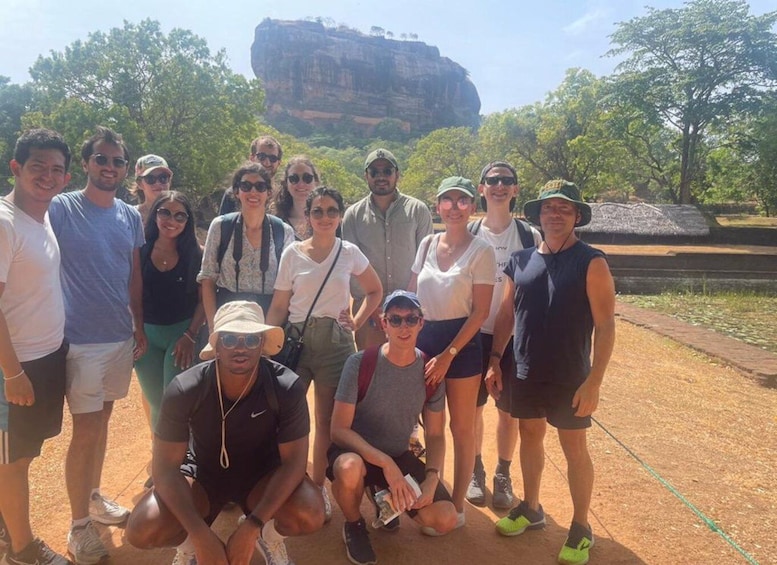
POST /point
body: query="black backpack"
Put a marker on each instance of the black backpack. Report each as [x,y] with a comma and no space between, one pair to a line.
[524,231]
[232,226]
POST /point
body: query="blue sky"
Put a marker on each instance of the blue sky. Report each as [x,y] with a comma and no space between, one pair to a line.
[516,52]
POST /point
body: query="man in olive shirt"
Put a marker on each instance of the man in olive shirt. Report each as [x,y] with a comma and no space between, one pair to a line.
[388,227]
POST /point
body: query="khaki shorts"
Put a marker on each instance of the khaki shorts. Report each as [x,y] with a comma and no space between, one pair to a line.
[97,373]
[327,346]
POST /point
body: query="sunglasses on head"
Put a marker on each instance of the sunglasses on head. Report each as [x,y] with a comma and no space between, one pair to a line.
[493,181]
[462,203]
[161,178]
[395,320]
[231,341]
[246,186]
[386,172]
[331,213]
[165,214]
[307,178]
[267,157]
[102,160]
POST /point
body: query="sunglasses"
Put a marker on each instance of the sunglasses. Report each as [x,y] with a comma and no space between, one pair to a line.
[331,213]
[386,172]
[102,160]
[246,186]
[162,178]
[165,214]
[493,181]
[396,320]
[307,178]
[267,157]
[231,341]
[464,202]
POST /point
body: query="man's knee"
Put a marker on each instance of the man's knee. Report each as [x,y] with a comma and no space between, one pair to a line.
[87,427]
[574,445]
[349,470]
[303,512]
[151,525]
[532,430]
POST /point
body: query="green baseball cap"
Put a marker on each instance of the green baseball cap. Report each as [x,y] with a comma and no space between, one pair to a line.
[457,183]
[378,154]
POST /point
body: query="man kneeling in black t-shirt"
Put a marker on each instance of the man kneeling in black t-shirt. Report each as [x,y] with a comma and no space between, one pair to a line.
[240,424]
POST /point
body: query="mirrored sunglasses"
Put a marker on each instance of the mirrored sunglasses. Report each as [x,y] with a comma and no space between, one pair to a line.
[462,203]
[231,341]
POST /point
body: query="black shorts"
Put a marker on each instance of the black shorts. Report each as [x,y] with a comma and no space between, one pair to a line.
[509,372]
[436,337]
[552,401]
[374,479]
[220,491]
[23,429]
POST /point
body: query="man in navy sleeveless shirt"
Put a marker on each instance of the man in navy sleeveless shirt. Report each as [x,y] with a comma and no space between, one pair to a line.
[558,296]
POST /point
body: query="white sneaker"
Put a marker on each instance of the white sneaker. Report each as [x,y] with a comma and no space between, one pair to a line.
[84,545]
[274,553]
[106,511]
[183,557]
[327,504]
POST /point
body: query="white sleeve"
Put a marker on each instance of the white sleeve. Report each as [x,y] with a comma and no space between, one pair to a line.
[285,276]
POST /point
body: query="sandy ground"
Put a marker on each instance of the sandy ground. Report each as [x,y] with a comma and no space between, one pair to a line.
[682,447]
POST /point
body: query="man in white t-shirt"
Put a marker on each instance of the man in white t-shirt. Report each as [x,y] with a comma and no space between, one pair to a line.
[32,331]
[498,190]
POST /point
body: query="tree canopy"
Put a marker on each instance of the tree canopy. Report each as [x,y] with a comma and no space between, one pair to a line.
[167,94]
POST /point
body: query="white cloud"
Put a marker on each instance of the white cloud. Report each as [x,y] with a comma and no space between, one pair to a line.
[586,21]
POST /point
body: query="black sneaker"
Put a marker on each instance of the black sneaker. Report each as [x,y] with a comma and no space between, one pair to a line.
[476,490]
[37,553]
[357,543]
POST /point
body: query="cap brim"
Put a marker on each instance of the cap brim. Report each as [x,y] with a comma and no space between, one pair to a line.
[459,188]
[155,168]
[531,210]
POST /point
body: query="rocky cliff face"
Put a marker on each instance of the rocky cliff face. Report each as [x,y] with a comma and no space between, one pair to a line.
[322,75]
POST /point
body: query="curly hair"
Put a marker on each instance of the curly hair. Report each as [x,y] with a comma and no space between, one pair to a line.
[283,202]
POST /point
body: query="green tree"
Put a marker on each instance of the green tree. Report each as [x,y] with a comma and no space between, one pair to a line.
[15,101]
[442,153]
[168,94]
[694,67]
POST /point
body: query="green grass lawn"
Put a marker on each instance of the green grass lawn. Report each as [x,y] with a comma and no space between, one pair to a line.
[750,318]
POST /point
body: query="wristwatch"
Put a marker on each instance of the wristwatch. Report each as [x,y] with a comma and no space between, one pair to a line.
[453,351]
[255,520]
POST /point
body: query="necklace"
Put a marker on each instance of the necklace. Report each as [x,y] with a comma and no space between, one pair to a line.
[166,256]
[223,455]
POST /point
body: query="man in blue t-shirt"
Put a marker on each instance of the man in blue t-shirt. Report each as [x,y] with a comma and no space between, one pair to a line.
[559,294]
[100,238]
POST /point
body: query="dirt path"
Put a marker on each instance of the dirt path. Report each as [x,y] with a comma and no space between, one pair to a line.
[706,430]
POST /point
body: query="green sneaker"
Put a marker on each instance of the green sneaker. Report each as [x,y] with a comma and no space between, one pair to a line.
[520,519]
[575,549]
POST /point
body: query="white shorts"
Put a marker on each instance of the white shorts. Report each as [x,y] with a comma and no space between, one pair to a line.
[97,373]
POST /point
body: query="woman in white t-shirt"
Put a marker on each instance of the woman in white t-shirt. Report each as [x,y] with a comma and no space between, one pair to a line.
[453,275]
[329,331]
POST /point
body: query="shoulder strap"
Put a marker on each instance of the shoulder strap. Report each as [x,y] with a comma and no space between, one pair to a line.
[268,382]
[228,222]
[145,253]
[366,370]
[474,226]
[278,235]
[524,232]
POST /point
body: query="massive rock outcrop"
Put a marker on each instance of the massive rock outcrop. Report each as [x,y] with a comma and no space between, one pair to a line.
[324,75]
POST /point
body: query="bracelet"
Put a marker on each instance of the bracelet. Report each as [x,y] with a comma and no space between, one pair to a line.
[14,377]
[495,354]
[255,520]
[432,470]
[189,336]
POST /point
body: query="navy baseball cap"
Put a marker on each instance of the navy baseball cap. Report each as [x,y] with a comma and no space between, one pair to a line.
[399,295]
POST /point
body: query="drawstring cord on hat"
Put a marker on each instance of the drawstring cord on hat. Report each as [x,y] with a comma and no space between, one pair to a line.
[223,455]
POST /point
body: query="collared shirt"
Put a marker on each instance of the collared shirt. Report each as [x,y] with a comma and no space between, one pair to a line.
[389,240]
